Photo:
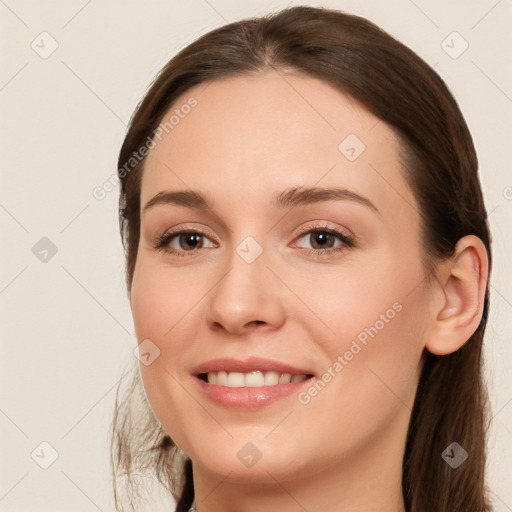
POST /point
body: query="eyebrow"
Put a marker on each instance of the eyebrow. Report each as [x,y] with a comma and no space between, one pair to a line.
[289,198]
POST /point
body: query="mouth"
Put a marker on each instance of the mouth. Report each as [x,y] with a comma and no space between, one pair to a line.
[254,379]
[249,384]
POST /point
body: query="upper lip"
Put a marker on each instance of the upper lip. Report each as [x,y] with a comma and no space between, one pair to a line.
[247,365]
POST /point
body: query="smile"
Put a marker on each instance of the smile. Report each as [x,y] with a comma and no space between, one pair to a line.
[252,379]
[251,383]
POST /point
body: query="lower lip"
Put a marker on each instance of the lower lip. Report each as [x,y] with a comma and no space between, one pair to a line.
[250,398]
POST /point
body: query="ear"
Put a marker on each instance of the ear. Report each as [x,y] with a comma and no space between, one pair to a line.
[459,299]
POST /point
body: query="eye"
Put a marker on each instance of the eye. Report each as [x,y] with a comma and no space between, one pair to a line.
[324,240]
[182,242]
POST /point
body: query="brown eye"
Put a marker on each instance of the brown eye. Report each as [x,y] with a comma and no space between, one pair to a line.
[187,241]
[181,243]
[322,240]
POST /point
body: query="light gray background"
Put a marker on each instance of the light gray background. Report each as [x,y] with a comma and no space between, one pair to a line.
[67,332]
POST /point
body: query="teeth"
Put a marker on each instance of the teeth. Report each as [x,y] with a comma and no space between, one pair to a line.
[252,379]
[221,379]
[271,378]
[235,380]
[285,378]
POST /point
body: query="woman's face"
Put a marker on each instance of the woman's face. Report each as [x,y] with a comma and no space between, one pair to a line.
[297,289]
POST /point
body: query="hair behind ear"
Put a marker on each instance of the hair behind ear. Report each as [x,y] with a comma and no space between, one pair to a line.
[451,405]
[187,494]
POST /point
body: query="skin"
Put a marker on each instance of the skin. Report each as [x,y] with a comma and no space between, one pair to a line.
[248,139]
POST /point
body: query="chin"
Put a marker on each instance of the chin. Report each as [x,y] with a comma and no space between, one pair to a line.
[248,462]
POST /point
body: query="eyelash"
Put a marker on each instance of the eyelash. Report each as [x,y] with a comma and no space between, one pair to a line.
[162,242]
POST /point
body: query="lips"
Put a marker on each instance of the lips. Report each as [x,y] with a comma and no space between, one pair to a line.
[251,383]
[248,365]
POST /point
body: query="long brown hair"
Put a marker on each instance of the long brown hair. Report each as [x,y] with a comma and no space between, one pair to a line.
[361,60]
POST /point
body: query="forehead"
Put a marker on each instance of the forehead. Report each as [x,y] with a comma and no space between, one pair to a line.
[266,132]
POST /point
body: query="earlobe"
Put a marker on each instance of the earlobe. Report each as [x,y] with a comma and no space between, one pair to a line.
[462,281]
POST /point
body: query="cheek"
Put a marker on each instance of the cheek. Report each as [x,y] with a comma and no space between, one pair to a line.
[369,382]
[376,321]
[161,300]
[164,306]
[359,297]
[159,312]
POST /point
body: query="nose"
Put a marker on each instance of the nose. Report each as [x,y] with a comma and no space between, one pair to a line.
[247,297]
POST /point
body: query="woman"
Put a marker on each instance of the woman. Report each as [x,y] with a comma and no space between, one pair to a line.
[308,259]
